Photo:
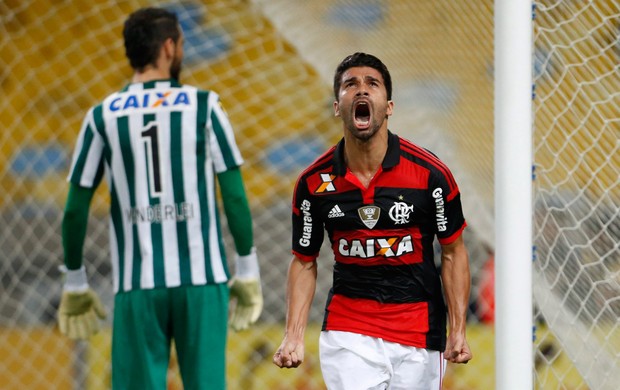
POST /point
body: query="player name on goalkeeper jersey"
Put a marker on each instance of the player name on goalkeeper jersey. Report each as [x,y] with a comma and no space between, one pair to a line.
[161,212]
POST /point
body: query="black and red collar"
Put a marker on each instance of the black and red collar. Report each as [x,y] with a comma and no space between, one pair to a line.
[390,160]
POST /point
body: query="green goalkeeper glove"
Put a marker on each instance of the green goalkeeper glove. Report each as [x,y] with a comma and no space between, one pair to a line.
[245,287]
[80,308]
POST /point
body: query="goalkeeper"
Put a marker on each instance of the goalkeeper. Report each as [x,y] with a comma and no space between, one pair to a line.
[161,145]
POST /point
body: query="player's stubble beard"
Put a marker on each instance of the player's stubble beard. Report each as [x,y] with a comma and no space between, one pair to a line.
[175,68]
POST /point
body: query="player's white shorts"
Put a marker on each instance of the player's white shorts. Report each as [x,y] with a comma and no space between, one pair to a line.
[351,361]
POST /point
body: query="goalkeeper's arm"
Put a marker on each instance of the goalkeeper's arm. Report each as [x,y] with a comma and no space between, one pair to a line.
[80,308]
[237,210]
[245,285]
[74,224]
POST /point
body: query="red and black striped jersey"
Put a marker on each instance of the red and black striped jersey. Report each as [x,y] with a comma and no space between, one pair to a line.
[385,281]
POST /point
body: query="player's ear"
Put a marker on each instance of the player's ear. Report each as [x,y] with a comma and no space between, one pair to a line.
[169,48]
[390,107]
[336,108]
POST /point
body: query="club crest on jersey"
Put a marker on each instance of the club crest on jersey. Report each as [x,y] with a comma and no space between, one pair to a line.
[400,212]
[369,215]
[327,184]
[149,99]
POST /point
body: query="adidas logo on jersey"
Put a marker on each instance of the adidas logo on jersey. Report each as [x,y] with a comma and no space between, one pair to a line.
[335,212]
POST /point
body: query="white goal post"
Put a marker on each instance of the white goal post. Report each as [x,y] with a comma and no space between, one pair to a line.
[513,195]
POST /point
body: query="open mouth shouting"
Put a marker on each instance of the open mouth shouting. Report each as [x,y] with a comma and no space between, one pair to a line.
[361,115]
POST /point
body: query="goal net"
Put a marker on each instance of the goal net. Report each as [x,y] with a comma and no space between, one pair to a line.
[577,193]
[272,63]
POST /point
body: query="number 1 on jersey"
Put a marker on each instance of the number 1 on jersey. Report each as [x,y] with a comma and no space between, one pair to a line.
[151,140]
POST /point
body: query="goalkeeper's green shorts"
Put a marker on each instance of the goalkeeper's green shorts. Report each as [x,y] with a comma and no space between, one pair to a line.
[145,323]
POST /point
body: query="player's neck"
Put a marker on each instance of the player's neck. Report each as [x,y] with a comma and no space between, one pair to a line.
[150,74]
[364,158]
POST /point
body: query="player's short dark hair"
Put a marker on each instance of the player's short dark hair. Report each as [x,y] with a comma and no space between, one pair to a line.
[362,59]
[145,31]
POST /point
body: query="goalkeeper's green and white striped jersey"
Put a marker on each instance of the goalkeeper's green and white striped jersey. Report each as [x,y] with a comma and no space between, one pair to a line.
[160,145]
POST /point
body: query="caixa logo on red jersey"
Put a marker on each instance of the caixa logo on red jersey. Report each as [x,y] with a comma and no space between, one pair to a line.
[373,247]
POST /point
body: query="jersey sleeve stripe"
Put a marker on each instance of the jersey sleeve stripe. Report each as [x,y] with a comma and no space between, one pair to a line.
[305,258]
[453,237]
[87,167]
[316,165]
[224,135]
[431,159]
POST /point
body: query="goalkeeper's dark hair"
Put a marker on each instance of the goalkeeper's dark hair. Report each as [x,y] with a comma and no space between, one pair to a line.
[145,31]
[362,59]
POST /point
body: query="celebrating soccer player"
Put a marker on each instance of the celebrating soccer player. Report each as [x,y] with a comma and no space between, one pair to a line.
[382,200]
